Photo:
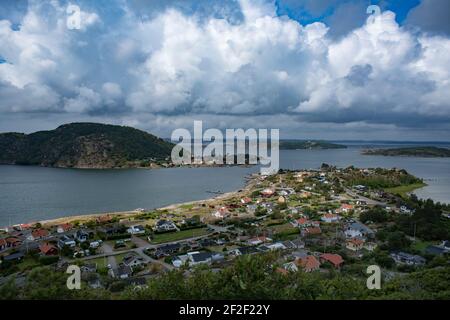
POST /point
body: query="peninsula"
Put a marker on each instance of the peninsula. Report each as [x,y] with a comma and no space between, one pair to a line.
[431,152]
[85,145]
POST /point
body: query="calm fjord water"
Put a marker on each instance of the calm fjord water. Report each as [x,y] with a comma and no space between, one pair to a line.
[34,193]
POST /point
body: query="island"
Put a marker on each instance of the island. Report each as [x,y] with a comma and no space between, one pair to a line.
[308,144]
[429,152]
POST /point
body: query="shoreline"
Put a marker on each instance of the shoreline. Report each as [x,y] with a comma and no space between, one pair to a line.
[132,213]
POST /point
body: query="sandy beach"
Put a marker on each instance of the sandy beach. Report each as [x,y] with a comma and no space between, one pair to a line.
[129,214]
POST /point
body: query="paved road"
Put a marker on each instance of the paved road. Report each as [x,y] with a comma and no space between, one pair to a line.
[142,245]
[107,250]
[361,198]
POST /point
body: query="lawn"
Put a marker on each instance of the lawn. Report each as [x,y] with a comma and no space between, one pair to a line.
[101,262]
[404,190]
[180,235]
[287,227]
[421,245]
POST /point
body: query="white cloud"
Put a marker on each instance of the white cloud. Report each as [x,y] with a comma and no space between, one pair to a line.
[179,65]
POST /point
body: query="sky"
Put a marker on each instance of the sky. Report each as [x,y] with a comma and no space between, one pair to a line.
[315,69]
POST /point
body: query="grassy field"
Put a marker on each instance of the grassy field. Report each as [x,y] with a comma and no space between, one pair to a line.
[101,262]
[404,190]
[180,235]
[421,245]
[287,227]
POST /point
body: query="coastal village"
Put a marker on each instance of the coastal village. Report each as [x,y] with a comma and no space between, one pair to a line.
[324,220]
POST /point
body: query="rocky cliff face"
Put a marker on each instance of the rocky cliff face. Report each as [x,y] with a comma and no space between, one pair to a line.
[83,145]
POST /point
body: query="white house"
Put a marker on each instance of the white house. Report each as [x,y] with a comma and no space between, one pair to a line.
[330,218]
[165,225]
[221,213]
[276,246]
[66,241]
[133,261]
[64,228]
[258,240]
[405,210]
[136,230]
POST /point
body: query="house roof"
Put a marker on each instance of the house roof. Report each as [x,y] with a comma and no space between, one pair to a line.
[308,262]
[47,248]
[268,191]
[335,259]
[260,238]
[65,226]
[39,233]
[123,269]
[169,247]
[129,258]
[313,230]
[302,221]
[360,227]
[247,250]
[246,200]
[3,242]
[408,257]
[137,281]
[201,256]
[356,241]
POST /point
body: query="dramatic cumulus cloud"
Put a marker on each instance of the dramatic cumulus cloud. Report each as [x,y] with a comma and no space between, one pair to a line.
[243,64]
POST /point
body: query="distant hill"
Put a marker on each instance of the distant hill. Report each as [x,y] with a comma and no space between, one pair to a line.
[301,144]
[83,145]
[433,152]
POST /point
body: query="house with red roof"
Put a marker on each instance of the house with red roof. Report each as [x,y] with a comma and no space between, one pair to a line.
[13,242]
[308,263]
[221,213]
[346,208]
[311,231]
[64,228]
[48,249]
[355,244]
[246,200]
[301,222]
[268,192]
[38,234]
[3,244]
[335,259]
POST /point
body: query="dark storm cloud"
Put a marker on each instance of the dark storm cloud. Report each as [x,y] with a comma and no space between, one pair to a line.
[431,16]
